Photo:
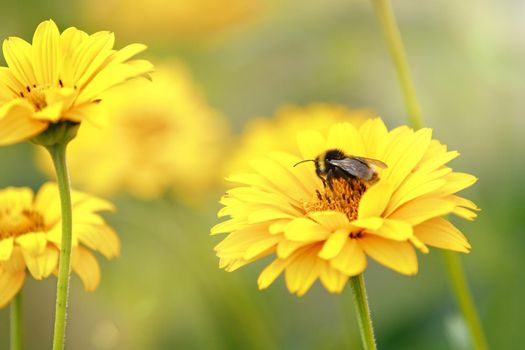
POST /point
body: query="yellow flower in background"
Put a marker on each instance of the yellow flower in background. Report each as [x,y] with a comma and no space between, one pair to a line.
[314,232]
[262,135]
[162,136]
[30,236]
[59,77]
[177,18]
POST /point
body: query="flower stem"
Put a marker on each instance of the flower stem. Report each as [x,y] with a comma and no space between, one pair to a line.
[16,322]
[385,14]
[58,154]
[464,299]
[357,284]
[388,23]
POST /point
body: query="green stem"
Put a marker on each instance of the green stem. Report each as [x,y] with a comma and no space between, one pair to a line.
[17,322]
[388,23]
[386,17]
[58,154]
[464,299]
[357,284]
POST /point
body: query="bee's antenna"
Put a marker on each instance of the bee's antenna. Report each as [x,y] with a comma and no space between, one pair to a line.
[303,161]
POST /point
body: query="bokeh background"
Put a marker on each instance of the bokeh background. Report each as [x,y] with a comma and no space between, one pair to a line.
[248,58]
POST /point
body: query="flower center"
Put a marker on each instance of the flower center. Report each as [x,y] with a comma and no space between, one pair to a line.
[14,223]
[344,197]
[36,95]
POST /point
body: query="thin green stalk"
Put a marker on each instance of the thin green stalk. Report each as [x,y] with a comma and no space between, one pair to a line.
[385,15]
[388,23]
[464,299]
[58,154]
[17,321]
[357,284]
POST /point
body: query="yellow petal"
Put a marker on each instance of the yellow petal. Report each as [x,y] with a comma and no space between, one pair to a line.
[305,230]
[227,226]
[101,238]
[6,248]
[333,280]
[302,272]
[374,134]
[373,223]
[46,53]
[375,200]
[311,144]
[18,55]
[113,76]
[271,272]
[17,123]
[40,261]
[10,285]
[406,154]
[397,230]
[419,210]
[333,245]
[351,261]
[440,233]
[344,136]
[399,256]
[263,246]
[331,220]
[128,52]
[286,248]
[85,265]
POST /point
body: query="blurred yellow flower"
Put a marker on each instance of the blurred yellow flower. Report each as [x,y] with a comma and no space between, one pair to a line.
[59,77]
[316,232]
[263,135]
[176,18]
[162,136]
[30,236]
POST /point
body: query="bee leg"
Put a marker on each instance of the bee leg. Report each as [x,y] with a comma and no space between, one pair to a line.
[329,179]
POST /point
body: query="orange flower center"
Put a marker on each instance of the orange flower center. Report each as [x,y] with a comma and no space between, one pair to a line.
[344,197]
[14,223]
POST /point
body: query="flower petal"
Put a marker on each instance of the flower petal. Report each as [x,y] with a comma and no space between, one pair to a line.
[399,256]
[305,230]
[311,144]
[85,265]
[419,210]
[271,272]
[333,245]
[17,122]
[18,55]
[440,233]
[10,285]
[302,272]
[46,53]
[375,199]
[333,280]
[351,261]
[6,248]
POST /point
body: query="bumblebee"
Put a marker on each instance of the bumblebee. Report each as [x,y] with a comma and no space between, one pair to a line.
[335,164]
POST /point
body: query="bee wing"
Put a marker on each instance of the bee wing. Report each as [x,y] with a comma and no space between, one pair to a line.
[375,162]
[354,166]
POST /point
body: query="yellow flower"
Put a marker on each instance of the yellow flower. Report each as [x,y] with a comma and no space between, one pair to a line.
[263,135]
[315,232]
[166,19]
[30,236]
[162,136]
[59,77]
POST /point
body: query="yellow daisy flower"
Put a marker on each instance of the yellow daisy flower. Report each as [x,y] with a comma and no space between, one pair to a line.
[178,18]
[322,232]
[163,136]
[262,135]
[59,77]
[30,236]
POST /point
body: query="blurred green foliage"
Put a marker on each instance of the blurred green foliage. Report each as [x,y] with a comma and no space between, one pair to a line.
[166,291]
